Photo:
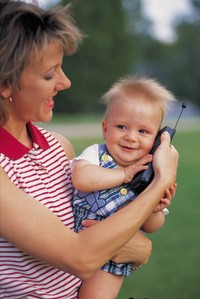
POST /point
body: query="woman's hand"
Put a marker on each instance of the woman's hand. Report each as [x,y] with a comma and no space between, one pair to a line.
[165,161]
[137,250]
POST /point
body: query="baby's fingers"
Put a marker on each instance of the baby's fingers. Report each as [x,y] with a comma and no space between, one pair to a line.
[144,160]
[165,202]
[130,172]
[172,189]
[168,194]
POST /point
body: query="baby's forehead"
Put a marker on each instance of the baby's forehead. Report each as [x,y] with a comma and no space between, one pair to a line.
[132,109]
[130,99]
[134,100]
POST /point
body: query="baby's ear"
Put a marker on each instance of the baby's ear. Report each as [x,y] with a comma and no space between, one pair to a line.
[104,127]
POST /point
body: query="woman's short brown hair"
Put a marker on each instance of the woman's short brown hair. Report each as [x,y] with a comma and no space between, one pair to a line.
[25,28]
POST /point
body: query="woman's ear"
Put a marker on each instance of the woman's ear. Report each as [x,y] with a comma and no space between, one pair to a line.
[5,92]
[104,127]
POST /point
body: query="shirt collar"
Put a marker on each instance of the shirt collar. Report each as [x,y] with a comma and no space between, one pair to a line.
[14,149]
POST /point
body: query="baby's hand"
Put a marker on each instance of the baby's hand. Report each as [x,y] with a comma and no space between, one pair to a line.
[131,170]
[166,200]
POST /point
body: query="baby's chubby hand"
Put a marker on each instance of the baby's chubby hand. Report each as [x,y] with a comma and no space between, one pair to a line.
[167,198]
[131,170]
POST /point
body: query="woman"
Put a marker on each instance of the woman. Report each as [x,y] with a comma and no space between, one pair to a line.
[41,255]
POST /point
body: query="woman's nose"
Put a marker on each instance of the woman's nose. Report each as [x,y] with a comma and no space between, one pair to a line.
[63,82]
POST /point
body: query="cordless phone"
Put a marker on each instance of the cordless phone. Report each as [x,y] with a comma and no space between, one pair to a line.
[143,178]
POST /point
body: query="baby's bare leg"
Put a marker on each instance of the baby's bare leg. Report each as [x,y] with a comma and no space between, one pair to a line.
[101,285]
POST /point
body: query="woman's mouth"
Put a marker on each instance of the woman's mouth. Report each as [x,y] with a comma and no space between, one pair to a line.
[50,103]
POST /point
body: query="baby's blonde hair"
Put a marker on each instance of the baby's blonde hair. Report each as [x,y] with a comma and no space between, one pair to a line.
[139,87]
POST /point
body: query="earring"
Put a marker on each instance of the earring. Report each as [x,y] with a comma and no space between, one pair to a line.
[10,99]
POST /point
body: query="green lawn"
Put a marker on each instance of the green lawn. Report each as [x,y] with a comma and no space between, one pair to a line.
[173,271]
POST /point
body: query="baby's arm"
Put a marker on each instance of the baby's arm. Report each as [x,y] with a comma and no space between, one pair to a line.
[88,177]
[154,222]
[157,219]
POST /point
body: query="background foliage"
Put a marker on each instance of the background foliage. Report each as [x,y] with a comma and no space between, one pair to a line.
[119,41]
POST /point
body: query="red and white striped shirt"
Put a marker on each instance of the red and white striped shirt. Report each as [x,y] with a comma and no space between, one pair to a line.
[44,173]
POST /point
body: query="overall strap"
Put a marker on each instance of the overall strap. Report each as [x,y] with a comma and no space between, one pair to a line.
[105,159]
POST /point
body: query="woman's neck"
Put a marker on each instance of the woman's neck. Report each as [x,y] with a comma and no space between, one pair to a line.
[20,132]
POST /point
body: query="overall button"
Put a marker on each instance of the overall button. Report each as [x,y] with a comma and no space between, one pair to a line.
[123,191]
[105,158]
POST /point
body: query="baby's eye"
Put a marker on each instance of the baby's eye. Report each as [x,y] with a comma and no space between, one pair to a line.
[143,131]
[122,127]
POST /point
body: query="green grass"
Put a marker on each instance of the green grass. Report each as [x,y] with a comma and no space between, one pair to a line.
[173,269]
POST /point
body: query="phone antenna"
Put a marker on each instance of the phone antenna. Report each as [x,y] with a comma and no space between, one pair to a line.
[184,105]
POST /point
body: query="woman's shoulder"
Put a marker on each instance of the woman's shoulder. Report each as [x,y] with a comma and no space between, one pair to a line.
[50,136]
[66,144]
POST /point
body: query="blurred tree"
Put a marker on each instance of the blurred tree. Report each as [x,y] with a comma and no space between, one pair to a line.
[176,64]
[119,41]
[184,77]
[186,57]
[106,53]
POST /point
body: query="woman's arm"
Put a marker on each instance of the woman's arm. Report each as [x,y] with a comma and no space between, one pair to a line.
[66,144]
[33,228]
[137,250]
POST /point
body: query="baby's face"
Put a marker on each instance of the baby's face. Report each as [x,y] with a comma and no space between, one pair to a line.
[130,128]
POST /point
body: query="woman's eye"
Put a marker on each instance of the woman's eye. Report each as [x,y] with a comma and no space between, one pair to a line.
[122,127]
[49,76]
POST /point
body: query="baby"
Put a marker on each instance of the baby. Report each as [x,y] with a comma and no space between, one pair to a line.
[135,110]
